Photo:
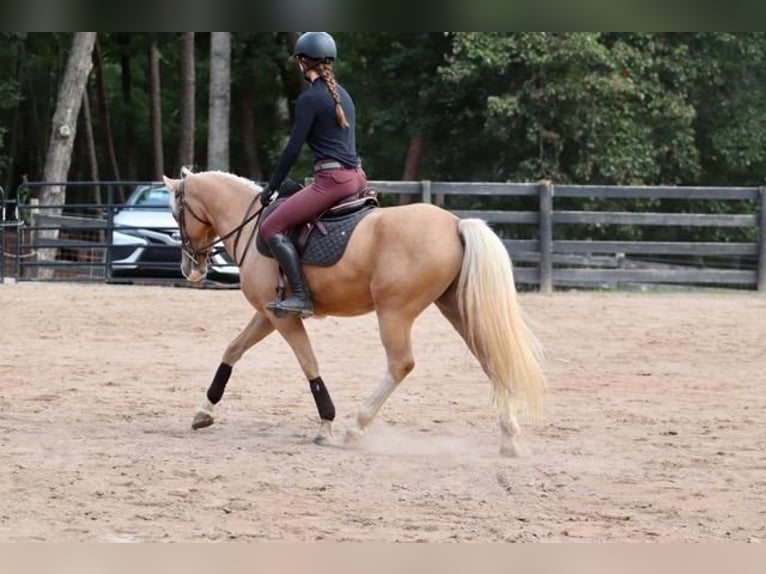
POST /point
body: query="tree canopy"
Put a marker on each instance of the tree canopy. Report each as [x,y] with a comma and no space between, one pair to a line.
[614,108]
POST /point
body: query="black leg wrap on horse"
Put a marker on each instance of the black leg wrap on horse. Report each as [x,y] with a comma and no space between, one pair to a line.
[215,391]
[322,398]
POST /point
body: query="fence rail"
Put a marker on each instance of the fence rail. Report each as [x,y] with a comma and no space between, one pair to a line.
[546,257]
[549,260]
[2,234]
[79,241]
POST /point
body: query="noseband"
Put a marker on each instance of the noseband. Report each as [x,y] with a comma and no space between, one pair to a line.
[188,250]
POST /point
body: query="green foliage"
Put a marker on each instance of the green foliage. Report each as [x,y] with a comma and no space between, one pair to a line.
[573,107]
[394,81]
[609,108]
[729,95]
[10,90]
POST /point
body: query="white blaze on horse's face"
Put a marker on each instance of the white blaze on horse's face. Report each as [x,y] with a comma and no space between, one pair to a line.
[172,198]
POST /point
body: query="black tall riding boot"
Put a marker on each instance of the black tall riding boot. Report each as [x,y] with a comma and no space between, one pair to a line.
[289,260]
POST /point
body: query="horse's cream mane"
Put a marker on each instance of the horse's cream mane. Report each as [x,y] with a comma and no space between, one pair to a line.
[249,183]
[242,180]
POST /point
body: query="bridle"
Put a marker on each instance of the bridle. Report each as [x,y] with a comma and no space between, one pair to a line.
[193,253]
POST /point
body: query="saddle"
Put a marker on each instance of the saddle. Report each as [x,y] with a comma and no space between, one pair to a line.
[323,240]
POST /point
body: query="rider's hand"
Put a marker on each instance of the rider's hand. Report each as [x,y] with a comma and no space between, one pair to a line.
[267,195]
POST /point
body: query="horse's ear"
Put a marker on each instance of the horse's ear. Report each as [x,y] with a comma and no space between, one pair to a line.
[169,183]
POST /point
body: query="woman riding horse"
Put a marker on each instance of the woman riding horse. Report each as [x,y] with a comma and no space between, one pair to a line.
[325,118]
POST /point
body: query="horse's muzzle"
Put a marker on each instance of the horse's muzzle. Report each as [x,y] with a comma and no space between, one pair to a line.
[192,268]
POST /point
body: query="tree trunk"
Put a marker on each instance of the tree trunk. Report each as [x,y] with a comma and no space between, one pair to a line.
[90,142]
[220,100]
[249,140]
[103,105]
[13,147]
[126,78]
[32,120]
[64,123]
[292,75]
[63,132]
[188,88]
[15,130]
[412,164]
[292,82]
[155,110]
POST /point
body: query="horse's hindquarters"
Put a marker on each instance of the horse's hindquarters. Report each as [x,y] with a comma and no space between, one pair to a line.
[403,257]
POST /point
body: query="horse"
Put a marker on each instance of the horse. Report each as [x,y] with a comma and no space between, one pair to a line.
[399,260]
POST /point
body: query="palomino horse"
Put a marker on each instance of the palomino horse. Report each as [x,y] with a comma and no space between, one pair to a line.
[399,260]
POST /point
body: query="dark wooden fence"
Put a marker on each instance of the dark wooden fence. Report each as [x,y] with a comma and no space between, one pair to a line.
[545,255]
[3,225]
[548,260]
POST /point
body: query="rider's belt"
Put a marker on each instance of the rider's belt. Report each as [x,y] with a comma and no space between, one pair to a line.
[322,165]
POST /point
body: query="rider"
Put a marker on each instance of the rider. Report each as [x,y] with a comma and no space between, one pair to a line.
[325,118]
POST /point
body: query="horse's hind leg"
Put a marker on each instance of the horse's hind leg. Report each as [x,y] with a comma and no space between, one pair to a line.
[256,330]
[395,333]
[511,441]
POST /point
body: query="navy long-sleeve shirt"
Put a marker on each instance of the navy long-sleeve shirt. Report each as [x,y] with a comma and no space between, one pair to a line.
[316,124]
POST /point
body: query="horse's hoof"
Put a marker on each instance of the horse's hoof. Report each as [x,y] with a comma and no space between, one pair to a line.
[324,435]
[323,440]
[353,437]
[202,420]
[515,450]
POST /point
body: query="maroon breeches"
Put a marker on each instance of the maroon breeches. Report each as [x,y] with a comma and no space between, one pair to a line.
[328,188]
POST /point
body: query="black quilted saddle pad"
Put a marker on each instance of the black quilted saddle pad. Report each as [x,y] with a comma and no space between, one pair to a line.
[327,239]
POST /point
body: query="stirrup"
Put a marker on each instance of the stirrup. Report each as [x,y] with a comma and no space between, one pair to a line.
[279,309]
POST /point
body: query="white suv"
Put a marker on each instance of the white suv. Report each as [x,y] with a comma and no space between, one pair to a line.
[146,240]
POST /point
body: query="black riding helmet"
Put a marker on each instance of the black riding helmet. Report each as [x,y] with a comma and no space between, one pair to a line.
[316,46]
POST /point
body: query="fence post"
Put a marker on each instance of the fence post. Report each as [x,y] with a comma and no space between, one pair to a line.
[19,238]
[762,241]
[546,236]
[425,186]
[2,235]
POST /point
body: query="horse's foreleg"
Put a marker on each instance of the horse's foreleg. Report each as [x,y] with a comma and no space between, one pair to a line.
[294,332]
[325,407]
[257,329]
[203,417]
[395,333]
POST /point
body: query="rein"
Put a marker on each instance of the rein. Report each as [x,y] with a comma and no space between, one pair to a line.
[192,252]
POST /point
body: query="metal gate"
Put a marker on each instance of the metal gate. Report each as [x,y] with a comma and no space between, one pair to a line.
[102,238]
[2,235]
[8,219]
[70,242]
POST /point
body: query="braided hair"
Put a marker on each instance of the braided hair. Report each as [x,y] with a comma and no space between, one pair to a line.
[326,73]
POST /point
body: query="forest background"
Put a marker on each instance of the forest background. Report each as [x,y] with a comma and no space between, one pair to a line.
[588,108]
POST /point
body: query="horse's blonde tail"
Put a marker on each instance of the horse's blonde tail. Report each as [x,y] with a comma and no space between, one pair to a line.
[494,327]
